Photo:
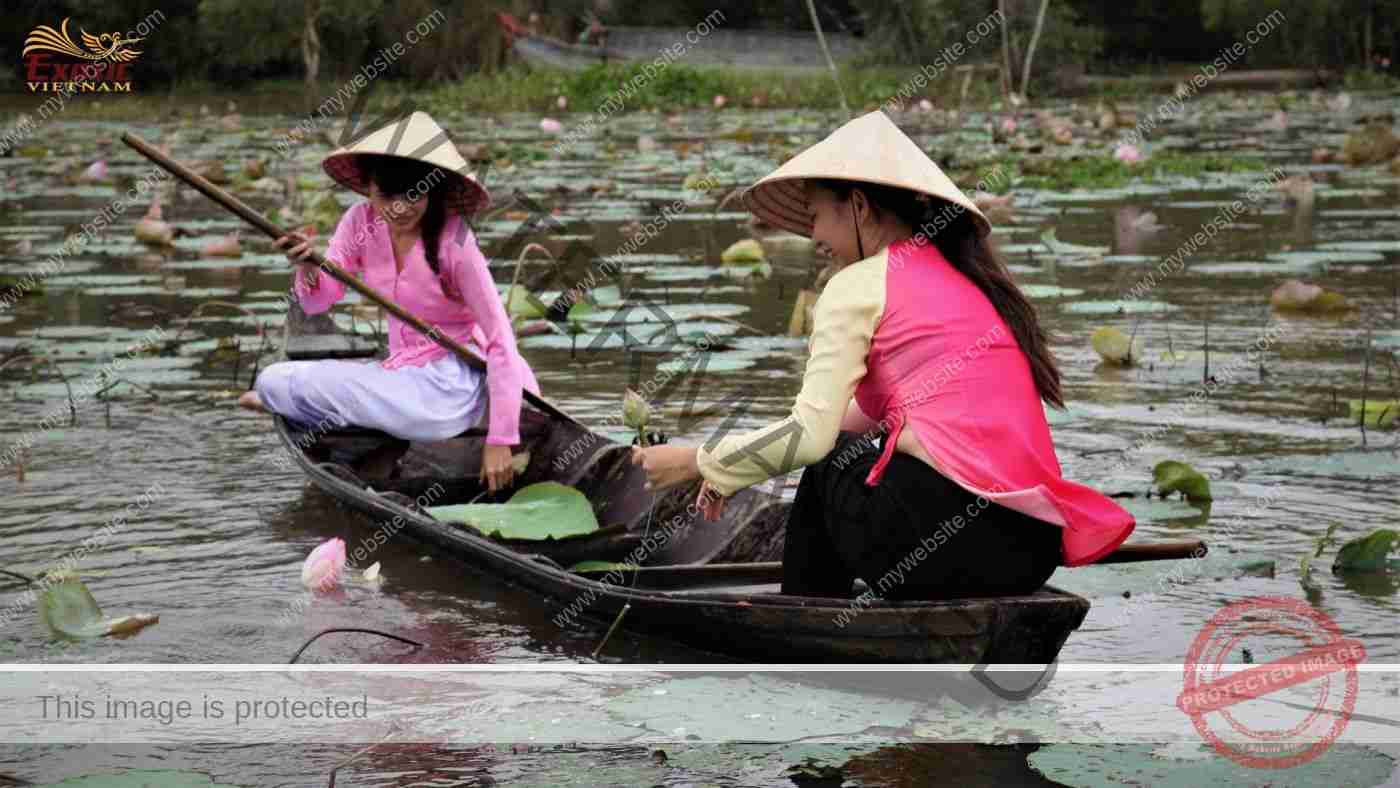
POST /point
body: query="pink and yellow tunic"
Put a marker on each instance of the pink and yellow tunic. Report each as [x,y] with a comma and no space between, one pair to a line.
[922,350]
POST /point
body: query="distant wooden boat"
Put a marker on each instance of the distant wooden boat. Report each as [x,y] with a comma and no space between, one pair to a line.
[712,586]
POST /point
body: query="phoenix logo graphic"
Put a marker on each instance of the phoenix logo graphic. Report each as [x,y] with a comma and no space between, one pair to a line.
[107,46]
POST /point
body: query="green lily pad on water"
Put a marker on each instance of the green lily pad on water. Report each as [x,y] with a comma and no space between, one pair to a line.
[1117,307]
[1379,413]
[68,609]
[1050,291]
[1173,476]
[142,778]
[1376,552]
[545,510]
[1086,766]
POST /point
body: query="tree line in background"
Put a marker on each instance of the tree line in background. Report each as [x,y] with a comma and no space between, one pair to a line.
[230,42]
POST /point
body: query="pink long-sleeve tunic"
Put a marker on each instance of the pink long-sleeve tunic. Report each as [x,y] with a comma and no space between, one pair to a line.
[472,314]
[920,348]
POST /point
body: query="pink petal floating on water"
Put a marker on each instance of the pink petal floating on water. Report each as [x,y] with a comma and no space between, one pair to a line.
[324,567]
[551,126]
[1008,126]
[96,171]
[720,101]
[1128,154]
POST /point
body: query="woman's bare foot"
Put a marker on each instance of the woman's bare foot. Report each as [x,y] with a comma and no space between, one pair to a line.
[252,401]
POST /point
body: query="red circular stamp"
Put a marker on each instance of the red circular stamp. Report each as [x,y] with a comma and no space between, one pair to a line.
[1263,732]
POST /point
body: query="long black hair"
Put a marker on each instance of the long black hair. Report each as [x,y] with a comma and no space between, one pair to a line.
[396,176]
[952,229]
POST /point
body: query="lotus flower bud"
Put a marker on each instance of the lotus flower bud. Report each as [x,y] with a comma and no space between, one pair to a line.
[323,568]
[635,410]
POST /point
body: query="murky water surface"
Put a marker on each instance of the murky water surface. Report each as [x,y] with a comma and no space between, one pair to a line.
[197,521]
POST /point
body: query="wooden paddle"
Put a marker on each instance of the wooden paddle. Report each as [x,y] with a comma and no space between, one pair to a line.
[251,216]
[695,575]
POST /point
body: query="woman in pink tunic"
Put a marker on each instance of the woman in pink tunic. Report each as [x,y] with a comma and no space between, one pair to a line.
[410,242]
[930,469]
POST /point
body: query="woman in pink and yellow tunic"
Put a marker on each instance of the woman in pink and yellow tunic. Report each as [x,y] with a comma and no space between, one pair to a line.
[409,241]
[922,341]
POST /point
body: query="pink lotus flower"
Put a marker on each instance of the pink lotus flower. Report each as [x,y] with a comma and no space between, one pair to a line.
[551,126]
[96,171]
[1008,126]
[1128,154]
[324,567]
[562,103]
[720,101]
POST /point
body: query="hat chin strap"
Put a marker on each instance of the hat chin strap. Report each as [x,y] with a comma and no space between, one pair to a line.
[860,247]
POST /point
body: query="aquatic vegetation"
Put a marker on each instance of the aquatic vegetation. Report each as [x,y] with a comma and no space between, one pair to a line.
[545,510]
[636,414]
[1296,296]
[1371,144]
[69,611]
[1113,346]
[745,251]
[1375,552]
[1172,476]
[1378,413]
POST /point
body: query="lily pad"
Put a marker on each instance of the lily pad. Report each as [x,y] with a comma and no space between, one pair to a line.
[1378,413]
[69,610]
[745,251]
[1113,346]
[1173,476]
[1117,307]
[545,510]
[1371,553]
[602,566]
[1050,291]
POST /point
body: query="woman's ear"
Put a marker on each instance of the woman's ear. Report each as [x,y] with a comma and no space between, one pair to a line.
[860,206]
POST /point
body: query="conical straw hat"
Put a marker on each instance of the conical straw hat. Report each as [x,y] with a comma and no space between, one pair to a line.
[420,138]
[869,149]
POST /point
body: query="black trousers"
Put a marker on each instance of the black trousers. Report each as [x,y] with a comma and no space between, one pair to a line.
[915,535]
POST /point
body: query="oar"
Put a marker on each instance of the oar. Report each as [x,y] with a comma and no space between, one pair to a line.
[698,575]
[251,216]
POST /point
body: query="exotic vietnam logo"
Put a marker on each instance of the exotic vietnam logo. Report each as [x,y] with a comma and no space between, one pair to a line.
[55,62]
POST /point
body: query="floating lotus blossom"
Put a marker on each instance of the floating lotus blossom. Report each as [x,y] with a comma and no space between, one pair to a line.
[1128,154]
[1008,126]
[97,171]
[720,101]
[562,103]
[325,566]
[551,126]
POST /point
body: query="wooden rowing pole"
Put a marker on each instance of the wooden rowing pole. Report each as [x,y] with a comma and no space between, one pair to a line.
[248,214]
[693,575]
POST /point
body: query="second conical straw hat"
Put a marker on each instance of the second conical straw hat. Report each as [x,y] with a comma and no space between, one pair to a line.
[869,149]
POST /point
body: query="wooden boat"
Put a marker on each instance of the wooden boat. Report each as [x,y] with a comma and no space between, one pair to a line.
[712,586]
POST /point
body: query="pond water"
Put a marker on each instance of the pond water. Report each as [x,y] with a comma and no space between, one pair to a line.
[216,530]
